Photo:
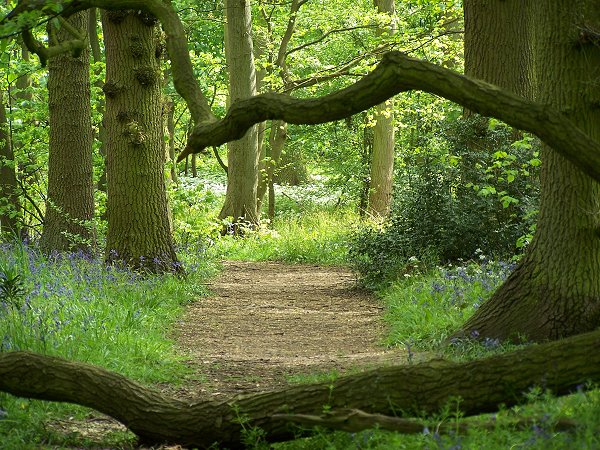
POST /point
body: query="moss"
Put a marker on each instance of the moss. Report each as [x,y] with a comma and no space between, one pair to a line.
[134,133]
[147,19]
[111,89]
[125,116]
[117,16]
[136,46]
[146,76]
[159,45]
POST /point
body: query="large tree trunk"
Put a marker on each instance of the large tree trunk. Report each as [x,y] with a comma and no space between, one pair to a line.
[70,204]
[382,163]
[555,291]
[9,197]
[497,44]
[482,386]
[138,218]
[242,157]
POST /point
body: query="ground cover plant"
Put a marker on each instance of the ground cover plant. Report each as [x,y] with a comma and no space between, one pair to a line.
[75,306]
[423,304]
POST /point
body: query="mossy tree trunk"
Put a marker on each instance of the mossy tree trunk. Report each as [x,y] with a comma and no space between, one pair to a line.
[555,290]
[482,386]
[70,202]
[381,179]
[242,155]
[138,218]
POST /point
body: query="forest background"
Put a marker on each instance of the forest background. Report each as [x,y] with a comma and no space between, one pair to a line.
[426,200]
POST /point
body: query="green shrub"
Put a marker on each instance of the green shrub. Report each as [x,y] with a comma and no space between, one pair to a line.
[474,189]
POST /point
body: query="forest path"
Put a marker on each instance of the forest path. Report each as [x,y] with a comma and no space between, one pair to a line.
[268,324]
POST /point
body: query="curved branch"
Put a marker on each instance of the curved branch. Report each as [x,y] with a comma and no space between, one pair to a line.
[481,385]
[399,73]
[45,53]
[220,161]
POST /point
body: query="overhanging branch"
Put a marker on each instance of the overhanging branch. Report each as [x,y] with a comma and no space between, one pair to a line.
[399,73]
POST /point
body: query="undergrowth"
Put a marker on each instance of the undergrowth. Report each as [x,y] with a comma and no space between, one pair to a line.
[75,307]
[78,308]
[317,237]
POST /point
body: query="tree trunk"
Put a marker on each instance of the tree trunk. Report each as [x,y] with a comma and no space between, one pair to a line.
[24,169]
[497,44]
[555,291]
[171,132]
[277,140]
[382,163]
[70,204]
[138,217]
[9,197]
[242,157]
[482,386]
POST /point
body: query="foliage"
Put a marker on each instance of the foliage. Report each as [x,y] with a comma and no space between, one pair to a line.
[195,204]
[75,307]
[424,308]
[462,188]
[316,237]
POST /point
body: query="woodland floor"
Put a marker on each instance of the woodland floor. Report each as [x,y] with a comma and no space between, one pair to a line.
[267,325]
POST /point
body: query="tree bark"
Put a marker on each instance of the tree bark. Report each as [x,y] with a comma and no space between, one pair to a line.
[70,204]
[382,162]
[139,231]
[497,44]
[555,291]
[482,386]
[242,155]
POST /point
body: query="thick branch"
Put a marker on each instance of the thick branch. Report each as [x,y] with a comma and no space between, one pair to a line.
[45,53]
[398,73]
[481,385]
[355,420]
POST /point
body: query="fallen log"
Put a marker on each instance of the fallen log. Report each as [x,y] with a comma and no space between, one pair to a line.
[481,385]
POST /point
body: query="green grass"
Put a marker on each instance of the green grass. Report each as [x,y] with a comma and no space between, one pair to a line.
[315,236]
[423,309]
[77,308]
[81,310]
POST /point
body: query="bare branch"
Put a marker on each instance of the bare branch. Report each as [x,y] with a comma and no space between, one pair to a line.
[398,73]
[337,30]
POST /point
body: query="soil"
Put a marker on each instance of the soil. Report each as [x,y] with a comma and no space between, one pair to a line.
[270,324]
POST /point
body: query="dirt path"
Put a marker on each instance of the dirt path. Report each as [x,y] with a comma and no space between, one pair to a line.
[269,324]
